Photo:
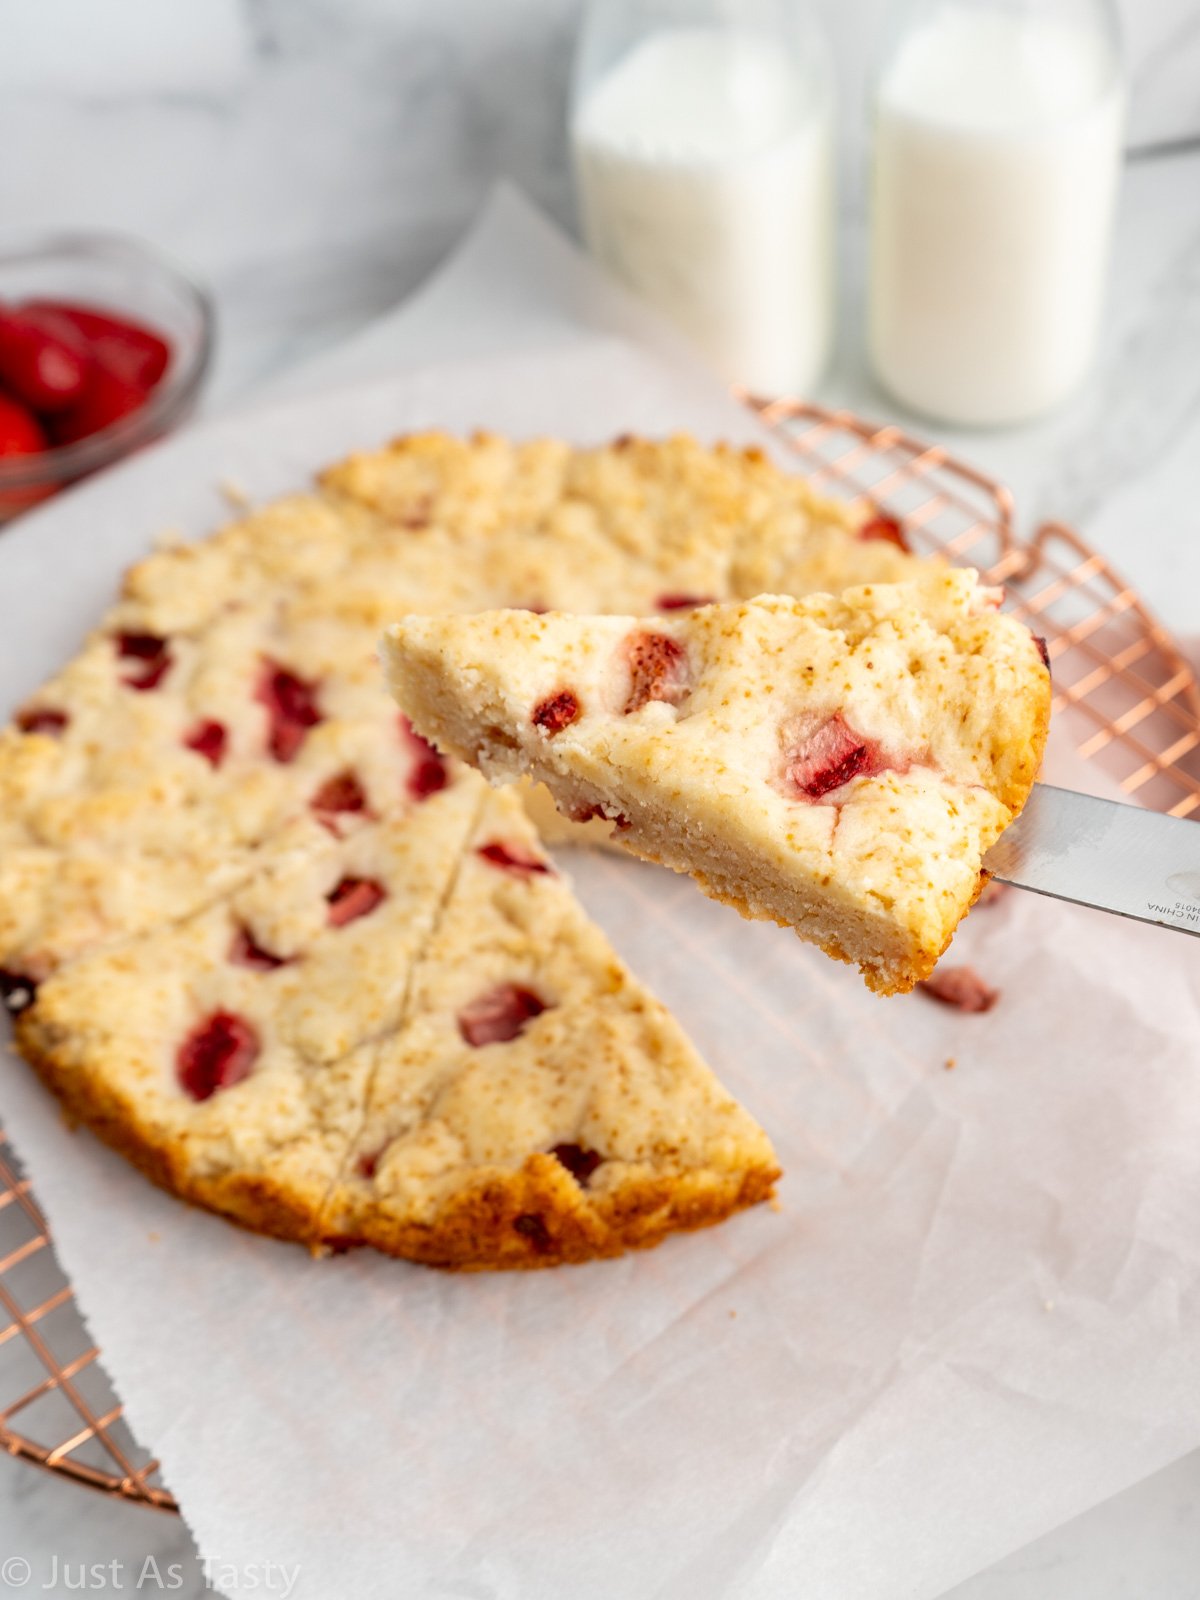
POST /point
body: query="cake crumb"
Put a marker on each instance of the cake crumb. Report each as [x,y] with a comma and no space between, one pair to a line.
[951,1063]
[234,494]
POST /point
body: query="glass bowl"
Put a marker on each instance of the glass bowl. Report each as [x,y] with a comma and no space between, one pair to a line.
[119,275]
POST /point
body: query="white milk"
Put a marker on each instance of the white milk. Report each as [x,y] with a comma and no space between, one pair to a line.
[704,165]
[997,149]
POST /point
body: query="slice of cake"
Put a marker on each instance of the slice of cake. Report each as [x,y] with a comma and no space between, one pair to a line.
[411,1038]
[539,1105]
[840,765]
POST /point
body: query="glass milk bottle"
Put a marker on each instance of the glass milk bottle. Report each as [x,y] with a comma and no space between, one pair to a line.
[997,147]
[703,148]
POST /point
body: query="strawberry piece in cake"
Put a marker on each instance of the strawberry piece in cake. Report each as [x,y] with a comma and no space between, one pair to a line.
[291,705]
[838,765]
[499,1015]
[219,1051]
[820,758]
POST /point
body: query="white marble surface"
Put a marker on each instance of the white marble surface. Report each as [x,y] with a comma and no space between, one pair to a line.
[317,161]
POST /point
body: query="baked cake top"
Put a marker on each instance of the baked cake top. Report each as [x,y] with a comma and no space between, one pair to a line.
[840,764]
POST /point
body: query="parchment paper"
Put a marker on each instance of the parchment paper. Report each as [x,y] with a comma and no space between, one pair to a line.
[976,1312]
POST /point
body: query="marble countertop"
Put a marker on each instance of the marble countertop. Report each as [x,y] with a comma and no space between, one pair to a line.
[314,162]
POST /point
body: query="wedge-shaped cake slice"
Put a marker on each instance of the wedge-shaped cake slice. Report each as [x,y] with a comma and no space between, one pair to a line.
[840,765]
[539,1105]
[409,1037]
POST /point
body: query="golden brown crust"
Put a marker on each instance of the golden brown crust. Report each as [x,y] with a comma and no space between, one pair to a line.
[535,1217]
[539,1217]
[256,1201]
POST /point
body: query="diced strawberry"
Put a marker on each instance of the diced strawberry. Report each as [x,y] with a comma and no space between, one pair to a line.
[41,719]
[429,776]
[353,898]
[105,399]
[961,987]
[532,1227]
[245,952]
[512,857]
[682,602]
[342,792]
[368,1163]
[587,811]
[886,528]
[17,992]
[658,670]
[152,655]
[429,772]
[557,712]
[579,1161]
[130,350]
[219,1052]
[499,1015]
[44,366]
[829,757]
[207,739]
[140,646]
[292,709]
[1043,650]
[21,433]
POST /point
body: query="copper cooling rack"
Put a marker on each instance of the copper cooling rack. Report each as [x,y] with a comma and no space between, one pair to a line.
[1136,712]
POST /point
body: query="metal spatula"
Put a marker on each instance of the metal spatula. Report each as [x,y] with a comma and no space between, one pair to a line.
[1118,858]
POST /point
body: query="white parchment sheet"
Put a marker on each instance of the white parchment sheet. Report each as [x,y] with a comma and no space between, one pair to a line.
[975,1313]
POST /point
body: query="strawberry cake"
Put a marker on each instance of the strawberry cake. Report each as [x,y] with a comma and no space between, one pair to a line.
[238,892]
[268,942]
[839,765]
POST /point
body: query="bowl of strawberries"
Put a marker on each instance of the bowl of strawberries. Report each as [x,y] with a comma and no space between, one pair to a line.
[104,347]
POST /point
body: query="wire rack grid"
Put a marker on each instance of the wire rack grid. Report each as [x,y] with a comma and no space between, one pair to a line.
[1136,713]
